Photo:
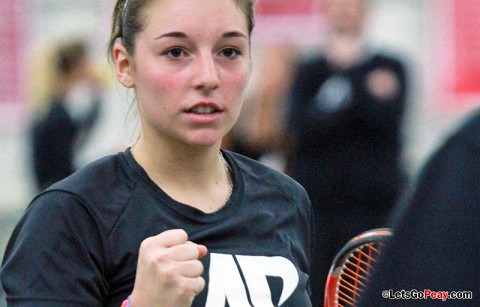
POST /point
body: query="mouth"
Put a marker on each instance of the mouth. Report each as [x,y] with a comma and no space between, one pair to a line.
[204,108]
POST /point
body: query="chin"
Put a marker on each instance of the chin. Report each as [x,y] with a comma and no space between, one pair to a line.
[204,143]
[204,139]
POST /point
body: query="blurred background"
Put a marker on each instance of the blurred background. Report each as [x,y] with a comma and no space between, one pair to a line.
[438,40]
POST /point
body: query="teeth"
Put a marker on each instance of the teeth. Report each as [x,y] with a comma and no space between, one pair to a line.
[203,110]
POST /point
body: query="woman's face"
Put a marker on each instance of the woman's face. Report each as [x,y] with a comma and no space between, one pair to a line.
[190,67]
[347,16]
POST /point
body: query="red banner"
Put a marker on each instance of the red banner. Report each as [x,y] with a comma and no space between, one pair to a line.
[284,7]
[11,35]
[292,21]
[466,47]
[457,52]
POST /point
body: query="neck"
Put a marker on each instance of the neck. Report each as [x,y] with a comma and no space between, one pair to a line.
[63,86]
[190,175]
[169,159]
[344,51]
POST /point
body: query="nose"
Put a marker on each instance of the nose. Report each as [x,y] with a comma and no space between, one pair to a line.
[206,74]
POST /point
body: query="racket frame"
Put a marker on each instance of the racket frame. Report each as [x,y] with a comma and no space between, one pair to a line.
[374,238]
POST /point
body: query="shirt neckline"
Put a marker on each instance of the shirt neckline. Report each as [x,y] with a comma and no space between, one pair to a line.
[230,207]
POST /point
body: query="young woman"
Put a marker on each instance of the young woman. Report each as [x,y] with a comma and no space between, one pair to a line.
[174,220]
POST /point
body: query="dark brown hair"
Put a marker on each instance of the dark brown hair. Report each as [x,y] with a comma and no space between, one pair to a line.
[68,57]
[128,20]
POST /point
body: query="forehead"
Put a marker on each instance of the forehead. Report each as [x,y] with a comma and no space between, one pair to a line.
[166,15]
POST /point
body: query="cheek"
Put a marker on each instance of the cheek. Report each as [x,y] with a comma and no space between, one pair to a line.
[157,89]
[153,95]
[160,82]
[237,88]
[238,83]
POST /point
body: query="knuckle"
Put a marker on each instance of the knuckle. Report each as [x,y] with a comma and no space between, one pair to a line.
[183,287]
[146,244]
[168,274]
[183,234]
[161,258]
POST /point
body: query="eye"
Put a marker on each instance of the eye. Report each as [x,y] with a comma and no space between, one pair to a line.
[230,53]
[175,53]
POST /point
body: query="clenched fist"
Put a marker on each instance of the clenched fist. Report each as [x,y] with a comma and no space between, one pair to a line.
[168,271]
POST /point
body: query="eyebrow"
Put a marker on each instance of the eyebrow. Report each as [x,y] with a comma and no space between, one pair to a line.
[234,34]
[172,34]
[182,35]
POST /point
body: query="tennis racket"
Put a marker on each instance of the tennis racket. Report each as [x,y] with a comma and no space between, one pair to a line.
[352,267]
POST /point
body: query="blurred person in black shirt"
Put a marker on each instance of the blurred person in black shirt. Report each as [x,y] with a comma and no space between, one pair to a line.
[344,118]
[73,108]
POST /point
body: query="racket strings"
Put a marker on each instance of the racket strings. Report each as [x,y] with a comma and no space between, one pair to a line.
[356,271]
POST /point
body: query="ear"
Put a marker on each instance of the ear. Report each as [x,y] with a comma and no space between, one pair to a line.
[123,66]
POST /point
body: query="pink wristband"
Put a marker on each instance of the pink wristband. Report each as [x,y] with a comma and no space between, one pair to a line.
[126,303]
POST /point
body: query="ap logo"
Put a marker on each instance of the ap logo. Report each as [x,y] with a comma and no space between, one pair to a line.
[226,283]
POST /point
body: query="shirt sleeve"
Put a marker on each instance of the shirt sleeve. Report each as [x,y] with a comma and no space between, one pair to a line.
[56,255]
[383,115]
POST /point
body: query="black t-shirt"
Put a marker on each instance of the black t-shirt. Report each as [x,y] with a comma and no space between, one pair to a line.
[53,139]
[77,244]
[347,136]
